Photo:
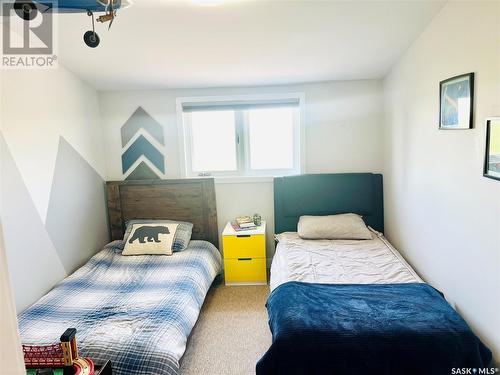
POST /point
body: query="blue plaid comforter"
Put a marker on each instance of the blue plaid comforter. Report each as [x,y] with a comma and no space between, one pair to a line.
[136,311]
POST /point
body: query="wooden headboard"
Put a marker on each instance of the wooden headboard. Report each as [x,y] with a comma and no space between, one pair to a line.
[191,200]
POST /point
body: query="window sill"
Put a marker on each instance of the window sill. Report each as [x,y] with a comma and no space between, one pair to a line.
[244,180]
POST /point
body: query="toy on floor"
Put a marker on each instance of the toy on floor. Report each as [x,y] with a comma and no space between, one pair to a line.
[63,355]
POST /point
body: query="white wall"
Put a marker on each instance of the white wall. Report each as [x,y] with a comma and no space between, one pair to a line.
[39,106]
[50,127]
[440,211]
[343,133]
[11,355]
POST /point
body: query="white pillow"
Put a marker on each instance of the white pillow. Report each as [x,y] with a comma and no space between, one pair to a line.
[150,239]
[333,227]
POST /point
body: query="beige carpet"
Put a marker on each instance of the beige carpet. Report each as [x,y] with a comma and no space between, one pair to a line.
[231,333]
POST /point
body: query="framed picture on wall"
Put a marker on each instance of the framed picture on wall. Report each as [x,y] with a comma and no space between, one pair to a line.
[456,102]
[492,153]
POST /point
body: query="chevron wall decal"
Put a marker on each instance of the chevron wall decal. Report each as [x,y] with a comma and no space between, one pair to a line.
[141,126]
[142,146]
[142,172]
[141,119]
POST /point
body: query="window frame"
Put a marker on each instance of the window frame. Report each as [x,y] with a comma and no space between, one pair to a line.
[242,147]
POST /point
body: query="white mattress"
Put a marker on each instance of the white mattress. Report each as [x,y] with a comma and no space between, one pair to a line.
[372,261]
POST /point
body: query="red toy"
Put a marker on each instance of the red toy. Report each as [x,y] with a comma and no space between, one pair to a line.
[63,355]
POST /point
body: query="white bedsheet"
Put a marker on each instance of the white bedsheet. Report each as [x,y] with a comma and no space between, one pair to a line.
[372,261]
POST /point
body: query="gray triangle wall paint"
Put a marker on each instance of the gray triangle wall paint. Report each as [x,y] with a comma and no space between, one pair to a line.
[76,216]
[141,119]
[33,262]
[142,172]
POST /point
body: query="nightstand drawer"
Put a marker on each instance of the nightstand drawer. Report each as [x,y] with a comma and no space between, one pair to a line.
[245,270]
[244,246]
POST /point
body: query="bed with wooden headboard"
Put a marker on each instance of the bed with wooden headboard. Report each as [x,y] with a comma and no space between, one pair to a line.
[112,291]
[191,200]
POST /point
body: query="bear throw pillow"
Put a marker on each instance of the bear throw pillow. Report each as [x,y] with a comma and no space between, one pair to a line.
[150,239]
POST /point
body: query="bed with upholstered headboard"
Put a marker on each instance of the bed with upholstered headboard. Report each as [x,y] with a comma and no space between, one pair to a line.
[351,304]
[191,200]
[328,194]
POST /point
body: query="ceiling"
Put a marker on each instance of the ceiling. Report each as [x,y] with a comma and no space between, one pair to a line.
[181,44]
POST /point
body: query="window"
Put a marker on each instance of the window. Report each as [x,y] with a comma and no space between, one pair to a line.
[212,141]
[241,137]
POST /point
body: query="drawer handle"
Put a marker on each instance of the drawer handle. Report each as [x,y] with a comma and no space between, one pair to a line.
[242,235]
[244,258]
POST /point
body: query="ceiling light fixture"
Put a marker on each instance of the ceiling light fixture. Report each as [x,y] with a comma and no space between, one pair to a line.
[208,2]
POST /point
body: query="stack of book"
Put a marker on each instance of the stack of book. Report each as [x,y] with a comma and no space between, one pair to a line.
[243,223]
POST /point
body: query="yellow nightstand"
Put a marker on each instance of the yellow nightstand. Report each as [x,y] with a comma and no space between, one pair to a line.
[244,256]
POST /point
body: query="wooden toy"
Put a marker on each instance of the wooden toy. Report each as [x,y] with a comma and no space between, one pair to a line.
[63,355]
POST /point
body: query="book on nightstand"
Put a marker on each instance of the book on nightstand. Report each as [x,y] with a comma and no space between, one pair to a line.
[243,223]
[238,228]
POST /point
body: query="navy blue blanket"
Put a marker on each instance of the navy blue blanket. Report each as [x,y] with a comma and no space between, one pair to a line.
[367,329]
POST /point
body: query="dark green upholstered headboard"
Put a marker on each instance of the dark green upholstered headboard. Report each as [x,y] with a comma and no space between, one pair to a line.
[328,194]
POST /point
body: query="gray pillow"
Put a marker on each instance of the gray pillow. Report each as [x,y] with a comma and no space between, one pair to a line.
[182,234]
[333,227]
